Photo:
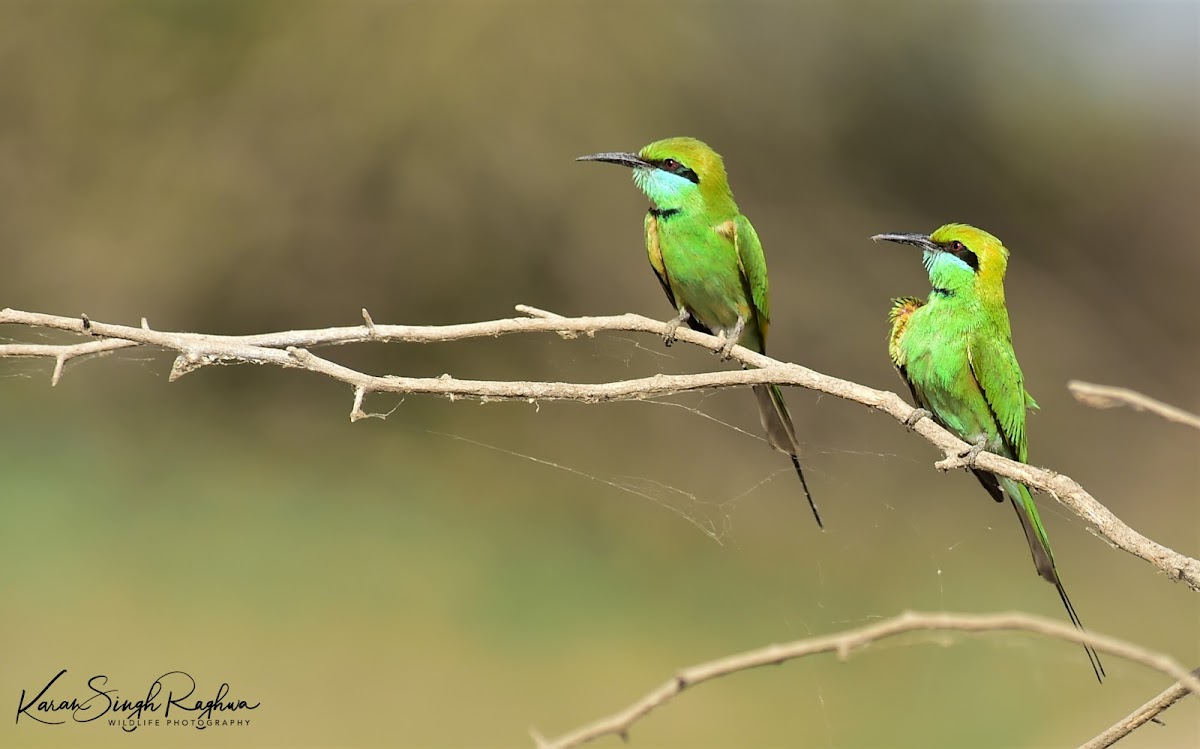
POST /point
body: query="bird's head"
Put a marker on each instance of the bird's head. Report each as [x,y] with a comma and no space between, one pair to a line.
[676,173]
[960,258]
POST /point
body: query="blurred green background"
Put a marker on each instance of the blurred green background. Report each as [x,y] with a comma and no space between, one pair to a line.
[458,573]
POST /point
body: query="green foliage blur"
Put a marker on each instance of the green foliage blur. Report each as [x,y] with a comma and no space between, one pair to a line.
[456,573]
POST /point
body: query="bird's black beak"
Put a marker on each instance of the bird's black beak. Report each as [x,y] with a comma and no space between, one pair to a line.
[916,240]
[631,160]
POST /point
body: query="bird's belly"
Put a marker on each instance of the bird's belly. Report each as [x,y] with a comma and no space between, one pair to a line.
[708,284]
[941,374]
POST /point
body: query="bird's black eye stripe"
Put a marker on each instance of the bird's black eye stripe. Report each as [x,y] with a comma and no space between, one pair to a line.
[674,167]
[963,253]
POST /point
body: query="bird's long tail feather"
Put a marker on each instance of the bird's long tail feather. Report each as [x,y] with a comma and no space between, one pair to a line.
[781,434]
[1043,559]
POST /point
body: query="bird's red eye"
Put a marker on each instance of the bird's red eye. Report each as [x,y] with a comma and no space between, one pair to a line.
[956,245]
[670,163]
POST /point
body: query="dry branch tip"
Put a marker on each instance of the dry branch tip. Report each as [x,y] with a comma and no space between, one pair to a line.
[1108,396]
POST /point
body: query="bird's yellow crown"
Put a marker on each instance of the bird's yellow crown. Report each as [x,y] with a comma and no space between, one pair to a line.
[695,160]
[990,253]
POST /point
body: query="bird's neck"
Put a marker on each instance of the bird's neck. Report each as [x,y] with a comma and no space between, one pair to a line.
[693,209]
[968,305]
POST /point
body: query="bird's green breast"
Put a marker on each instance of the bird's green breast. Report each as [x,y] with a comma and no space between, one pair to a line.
[703,268]
[935,351]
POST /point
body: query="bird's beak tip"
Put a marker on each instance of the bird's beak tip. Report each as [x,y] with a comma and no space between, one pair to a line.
[917,240]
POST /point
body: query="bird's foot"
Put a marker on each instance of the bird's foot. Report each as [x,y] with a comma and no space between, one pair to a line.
[971,455]
[731,338]
[911,422]
[725,353]
[673,326]
[964,459]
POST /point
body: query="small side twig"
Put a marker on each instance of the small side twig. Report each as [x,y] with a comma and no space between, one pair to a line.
[844,643]
[1107,396]
[63,353]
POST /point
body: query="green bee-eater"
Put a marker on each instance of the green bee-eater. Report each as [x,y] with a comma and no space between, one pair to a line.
[955,352]
[709,261]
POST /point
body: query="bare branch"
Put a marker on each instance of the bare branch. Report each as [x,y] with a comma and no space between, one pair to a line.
[844,643]
[1107,396]
[62,353]
[1140,717]
[290,349]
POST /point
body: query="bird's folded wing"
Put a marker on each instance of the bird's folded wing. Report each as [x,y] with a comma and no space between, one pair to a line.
[654,251]
[753,265]
[995,367]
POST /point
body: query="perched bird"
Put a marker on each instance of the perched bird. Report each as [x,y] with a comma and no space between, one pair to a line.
[709,261]
[955,352]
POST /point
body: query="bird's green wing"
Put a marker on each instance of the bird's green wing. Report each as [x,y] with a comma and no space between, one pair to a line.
[654,251]
[753,265]
[994,365]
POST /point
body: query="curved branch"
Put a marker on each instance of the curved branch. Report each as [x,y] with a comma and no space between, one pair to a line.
[1141,716]
[1107,396]
[291,349]
[844,643]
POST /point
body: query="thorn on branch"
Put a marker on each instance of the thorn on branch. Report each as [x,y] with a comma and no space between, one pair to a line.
[145,324]
[372,332]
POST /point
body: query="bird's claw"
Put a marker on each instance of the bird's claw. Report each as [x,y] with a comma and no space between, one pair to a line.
[919,413]
[970,456]
[669,334]
[965,459]
[725,353]
[730,339]
[673,327]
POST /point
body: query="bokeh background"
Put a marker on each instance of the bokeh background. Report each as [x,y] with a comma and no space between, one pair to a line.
[458,573]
